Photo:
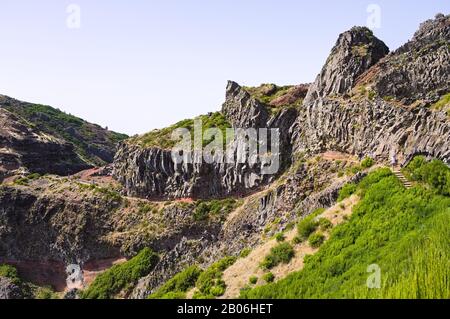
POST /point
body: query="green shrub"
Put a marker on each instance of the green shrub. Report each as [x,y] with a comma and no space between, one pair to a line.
[253,280]
[245,252]
[282,253]
[367,162]
[178,285]
[346,191]
[306,227]
[122,276]
[10,272]
[325,224]
[435,173]
[210,283]
[316,240]
[269,277]
[280,237]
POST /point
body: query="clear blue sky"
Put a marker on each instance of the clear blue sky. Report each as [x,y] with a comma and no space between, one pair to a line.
[138,65]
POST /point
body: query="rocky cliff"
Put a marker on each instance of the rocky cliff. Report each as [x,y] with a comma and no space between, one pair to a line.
[373,117]
[151,172]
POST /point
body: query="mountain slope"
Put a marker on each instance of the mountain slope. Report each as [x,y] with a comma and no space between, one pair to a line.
[93,144]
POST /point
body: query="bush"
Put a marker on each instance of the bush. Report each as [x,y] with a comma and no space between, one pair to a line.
[280,237]
[316,240]
[346,191]
[306,227]
[434,173]
[367,162]
[245,252]
[325,224]
[210,283]
[283,253]
[45,293]
[120,277]
[176,287]
[269,277]
[253,280]
[10,272]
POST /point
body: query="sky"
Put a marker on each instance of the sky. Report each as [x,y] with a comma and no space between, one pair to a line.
[134,66]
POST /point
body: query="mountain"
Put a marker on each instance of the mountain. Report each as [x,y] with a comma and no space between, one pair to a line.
[363,185]
[42,139]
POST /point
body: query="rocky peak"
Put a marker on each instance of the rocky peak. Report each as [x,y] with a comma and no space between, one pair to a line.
[354,52]
[241,109]
[434,29]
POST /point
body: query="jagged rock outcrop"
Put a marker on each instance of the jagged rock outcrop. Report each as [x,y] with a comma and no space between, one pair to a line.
[24,148]
[151,172]
[354,53]
[419,70]
[331,119]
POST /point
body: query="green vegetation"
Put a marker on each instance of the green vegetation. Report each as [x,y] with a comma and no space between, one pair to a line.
[325,224]
[443,103]
[214,208]
[24,181]
[404,231]
[269,277]
[308,225]
[245,252]
[177,287]
[210,283]
[10,272]
[163,138]
[367,162]
[435,173]
[316,240]
[45,293]
[280,237]
[121,277]
[346,191]
[268,93]
[253,280]
[83,135]
[282,253]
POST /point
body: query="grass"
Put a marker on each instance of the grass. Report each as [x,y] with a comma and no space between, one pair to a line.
[24,181]
[121,277]
[346,191]
[177,287]
[280,254]
[403,231]
[163,138]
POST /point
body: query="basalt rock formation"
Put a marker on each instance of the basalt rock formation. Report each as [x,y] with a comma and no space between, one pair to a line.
[152,173]
[372,117]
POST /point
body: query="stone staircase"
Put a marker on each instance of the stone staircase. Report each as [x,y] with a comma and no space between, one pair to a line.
[397,172]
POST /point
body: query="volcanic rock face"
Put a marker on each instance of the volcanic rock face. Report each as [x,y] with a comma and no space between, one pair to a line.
[151,172]
[419,70]
[374,126]
[354,53]
[22,146]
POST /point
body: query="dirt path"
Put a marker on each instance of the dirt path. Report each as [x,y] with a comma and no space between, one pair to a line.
[237,276]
